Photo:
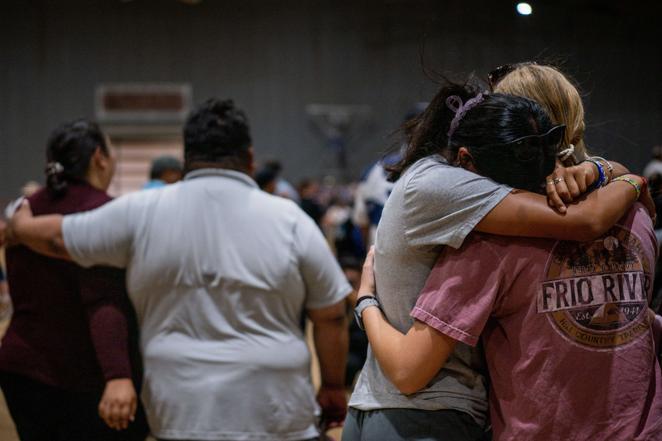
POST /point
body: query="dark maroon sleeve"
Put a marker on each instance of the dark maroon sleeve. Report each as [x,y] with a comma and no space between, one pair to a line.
[102,291]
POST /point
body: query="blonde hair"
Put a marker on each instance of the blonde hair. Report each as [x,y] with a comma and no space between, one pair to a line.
[557,94]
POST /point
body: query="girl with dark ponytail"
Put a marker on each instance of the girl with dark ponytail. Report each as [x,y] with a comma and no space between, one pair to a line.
[492,152]
[70,353]
[69,154]
[469,156]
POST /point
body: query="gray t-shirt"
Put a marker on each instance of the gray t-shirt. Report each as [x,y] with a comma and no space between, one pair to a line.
[433,204]
[219,273]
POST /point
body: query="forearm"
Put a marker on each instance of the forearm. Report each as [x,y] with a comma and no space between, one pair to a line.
[42,234]
[594,214]
[331,345]
[409,360]
[109,333]
[102,293]
[602,209]
[618,169]
[387,343]
[528,214]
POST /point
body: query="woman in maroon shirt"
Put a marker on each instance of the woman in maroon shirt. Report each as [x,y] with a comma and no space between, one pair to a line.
[70,353]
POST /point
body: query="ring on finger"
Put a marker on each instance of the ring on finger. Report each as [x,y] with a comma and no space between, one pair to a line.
[550,182]
[557,180]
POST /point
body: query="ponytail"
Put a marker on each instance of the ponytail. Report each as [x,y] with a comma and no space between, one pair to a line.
[427,133]
[68,154]
[55,181]
[463,115]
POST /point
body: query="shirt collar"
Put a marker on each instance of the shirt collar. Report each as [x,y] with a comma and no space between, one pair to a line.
[221,172]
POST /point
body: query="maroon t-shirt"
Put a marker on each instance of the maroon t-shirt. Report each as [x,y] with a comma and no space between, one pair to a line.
[72,328]
[566,330]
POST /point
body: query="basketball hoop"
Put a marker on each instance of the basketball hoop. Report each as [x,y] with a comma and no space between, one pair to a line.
[337,122]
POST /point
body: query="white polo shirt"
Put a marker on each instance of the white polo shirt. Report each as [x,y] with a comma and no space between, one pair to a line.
[219,273]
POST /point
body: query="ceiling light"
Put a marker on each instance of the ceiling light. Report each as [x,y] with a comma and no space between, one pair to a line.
[524,9]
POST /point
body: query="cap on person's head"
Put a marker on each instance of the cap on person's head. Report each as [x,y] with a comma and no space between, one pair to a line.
[162,164]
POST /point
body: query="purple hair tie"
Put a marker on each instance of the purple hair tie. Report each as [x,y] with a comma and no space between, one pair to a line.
[455,103]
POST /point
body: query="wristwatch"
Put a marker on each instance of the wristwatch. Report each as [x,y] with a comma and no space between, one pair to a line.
[362,304]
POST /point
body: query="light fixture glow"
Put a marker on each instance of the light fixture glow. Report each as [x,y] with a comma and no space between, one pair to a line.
[524,9]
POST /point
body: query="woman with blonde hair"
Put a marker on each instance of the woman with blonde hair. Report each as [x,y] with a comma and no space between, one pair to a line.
[558,94]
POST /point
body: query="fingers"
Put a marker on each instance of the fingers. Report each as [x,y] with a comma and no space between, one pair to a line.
[368,275]
[106,414]
[123,415]
[573,187]
[567,184]
[578,179]
[370,257]
[584,178]
[118,414]
[553,197]
[367,282]
[562,190]
[582,185]
[113,416]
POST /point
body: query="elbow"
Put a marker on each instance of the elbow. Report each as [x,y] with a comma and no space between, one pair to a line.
[406,384]
[589,228]
[408,389]
[57,247]
[589,233]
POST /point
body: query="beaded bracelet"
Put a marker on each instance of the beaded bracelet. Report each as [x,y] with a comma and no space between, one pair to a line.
[630,181]
[602,178]
[610,168]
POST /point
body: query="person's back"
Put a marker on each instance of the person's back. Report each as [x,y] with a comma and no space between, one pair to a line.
[72,333]
[46,298]
[415,225]
[566,330]
[218,276]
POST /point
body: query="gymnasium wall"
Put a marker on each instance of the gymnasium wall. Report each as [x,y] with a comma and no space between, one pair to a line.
[274,57]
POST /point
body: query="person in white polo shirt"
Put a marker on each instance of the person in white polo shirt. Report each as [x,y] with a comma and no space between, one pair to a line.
[220,274]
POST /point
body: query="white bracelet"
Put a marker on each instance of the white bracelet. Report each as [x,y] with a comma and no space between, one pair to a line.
[610,168]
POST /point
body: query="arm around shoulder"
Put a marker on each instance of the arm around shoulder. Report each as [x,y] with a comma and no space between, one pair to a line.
[409,360]
[43,234]
[528,214]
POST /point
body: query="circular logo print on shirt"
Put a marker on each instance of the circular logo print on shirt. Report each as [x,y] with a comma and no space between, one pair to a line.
[596,293]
